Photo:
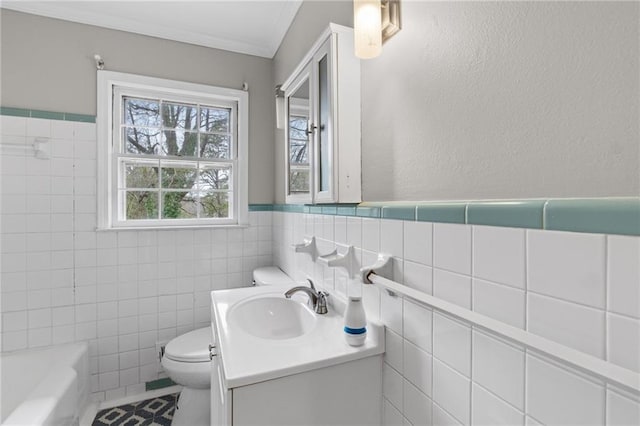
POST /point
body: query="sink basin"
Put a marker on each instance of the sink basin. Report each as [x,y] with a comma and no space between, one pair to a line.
[272,317]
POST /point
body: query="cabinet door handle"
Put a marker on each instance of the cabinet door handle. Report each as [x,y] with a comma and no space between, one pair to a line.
[211,352]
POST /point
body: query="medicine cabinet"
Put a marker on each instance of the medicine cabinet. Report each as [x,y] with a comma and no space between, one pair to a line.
[322,110]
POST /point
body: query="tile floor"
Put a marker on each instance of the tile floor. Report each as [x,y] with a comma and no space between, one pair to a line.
[156,411]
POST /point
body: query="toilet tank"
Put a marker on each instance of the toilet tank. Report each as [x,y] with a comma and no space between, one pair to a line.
[271,275]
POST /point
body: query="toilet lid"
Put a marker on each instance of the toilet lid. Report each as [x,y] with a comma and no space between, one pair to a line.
[190,347]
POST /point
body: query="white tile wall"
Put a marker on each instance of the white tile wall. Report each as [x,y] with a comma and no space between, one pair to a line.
[417,325]
[499,368]
[566,265]
[454,288]
[452,343]
[500,302]
[578,289]
[557,396]
[489,410]
[622,408]
[416,405]
[452,247]
[121,291]
[442,418]
[418,367]
[623,341]
[573,325]
[452,392]
[623,268]
[418,242]
[498,255]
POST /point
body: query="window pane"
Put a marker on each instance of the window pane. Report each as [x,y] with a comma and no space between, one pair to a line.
[298,152]
[141,205]
[141,140]
[214,177]
[141,176]
[180,116]
[298,127]
[298,140]
[179,143]
[141,112]
[214,205]
[178,176]
[178,205]
[215,119]
[299,181]
[215,146]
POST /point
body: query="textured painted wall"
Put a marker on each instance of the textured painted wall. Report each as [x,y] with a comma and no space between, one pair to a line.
[312,19]
[482,100]
[47,64]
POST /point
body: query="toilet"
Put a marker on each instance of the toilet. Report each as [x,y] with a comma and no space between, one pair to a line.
[186,361]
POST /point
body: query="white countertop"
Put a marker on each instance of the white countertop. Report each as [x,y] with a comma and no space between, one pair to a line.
[247,359]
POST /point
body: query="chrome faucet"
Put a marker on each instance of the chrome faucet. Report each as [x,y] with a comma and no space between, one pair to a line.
[318,298]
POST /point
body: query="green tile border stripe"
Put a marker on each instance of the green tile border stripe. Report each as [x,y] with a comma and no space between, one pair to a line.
[260,207]
[158,384]
[441,212]
[605,216]
[399,212]
[619,216]
[514,214]
[49,115]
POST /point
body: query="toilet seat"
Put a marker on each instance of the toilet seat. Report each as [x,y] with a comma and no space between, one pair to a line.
[190,347]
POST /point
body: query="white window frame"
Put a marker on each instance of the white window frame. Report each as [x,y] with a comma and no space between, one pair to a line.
[111,87]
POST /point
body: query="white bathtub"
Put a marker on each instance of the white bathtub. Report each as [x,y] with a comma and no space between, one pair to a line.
[44,386]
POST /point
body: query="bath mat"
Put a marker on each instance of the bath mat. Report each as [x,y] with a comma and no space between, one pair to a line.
[155,411]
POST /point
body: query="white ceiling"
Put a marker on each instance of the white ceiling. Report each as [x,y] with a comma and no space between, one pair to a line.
[254,27]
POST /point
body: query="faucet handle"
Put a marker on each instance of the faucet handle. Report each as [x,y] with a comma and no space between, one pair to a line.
[321,304]
[313,287]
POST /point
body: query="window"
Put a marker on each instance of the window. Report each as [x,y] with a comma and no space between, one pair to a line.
[170,153]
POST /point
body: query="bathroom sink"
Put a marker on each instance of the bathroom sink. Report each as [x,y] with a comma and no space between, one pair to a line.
[260,335]
[271,317]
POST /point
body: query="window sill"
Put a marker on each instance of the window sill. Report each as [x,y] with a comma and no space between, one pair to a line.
[172,228]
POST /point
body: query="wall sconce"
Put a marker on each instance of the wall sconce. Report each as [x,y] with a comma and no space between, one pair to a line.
[279,107]
[374,22]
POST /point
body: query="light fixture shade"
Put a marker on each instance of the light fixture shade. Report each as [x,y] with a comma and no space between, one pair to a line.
[367,26]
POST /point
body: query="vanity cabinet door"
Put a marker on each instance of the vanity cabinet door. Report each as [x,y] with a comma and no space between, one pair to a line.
[220,396]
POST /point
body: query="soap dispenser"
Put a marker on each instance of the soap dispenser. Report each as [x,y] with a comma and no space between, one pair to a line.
[355,322]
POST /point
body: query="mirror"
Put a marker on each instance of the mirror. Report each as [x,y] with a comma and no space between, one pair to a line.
[324,142]
[298,137]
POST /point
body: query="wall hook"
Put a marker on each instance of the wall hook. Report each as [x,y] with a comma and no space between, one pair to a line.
[307,246]
[339,260]
[99,62]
